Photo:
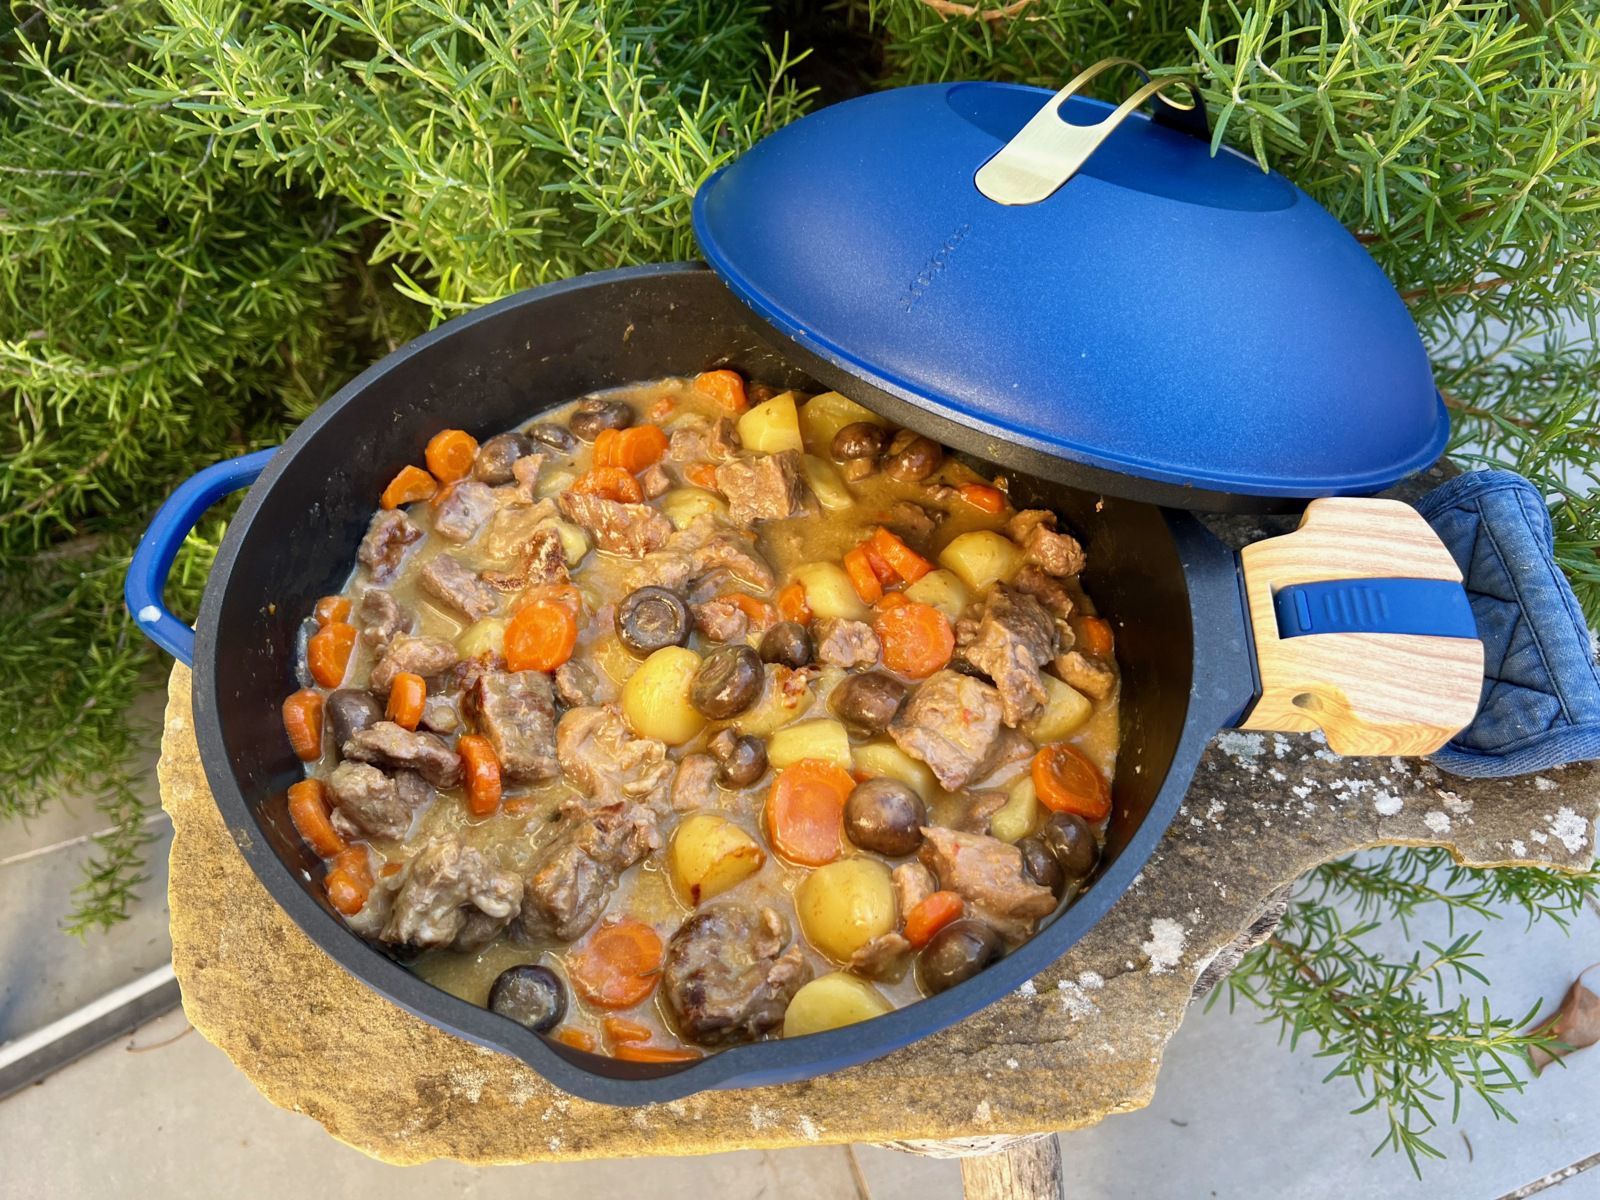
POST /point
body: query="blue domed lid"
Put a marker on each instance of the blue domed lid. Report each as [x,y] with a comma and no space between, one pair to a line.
[1166,324]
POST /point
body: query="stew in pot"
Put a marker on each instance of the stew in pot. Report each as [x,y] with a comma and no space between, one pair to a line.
[693,714]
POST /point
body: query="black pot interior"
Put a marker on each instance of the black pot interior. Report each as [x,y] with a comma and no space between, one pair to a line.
[296,537]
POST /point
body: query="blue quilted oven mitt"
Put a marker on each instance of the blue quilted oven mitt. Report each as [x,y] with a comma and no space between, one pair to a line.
[1541,690]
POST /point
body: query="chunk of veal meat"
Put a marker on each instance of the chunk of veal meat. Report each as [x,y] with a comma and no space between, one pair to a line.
[1088,675]
[462,510]
[451,895]
[389,745]
[762,487]
[384,545]
[381,618]
[369,803]
[574,874]
[976,809]
[699,549]
[913,522]
[632,530]
[720,620]
[1046,589]
[510,530]
[425,656]
[950,723]
[516,711]
[525,473]
[1057,554]
[696,783]
[734,551]
[458,586]
[544,561]
[730,972]
[845,643]
[654,481]
[986,872]
[913,883]
[1014,637]
[689,441]
[577,684]
[441,712]
[884,958]
[723,439]
[606,762]
[1009,757]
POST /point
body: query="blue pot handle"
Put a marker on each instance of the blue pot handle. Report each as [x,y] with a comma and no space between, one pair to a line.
[152,561]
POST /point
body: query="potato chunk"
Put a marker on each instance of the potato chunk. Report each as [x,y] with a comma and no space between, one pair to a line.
[981,558]
[656,697]
[771,427]
[709,854]
[832,1001]
[844,905]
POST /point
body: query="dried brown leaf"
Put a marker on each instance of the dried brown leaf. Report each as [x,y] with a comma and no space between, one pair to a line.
[1576,1024]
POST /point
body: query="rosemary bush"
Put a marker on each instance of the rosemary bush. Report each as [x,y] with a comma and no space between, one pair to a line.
[214,213]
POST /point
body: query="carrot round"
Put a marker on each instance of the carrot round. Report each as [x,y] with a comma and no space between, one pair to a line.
[578,1039]
[702,475]
[620,1029]
[983,497]
[349,880]
[609,483]
[917,639]
[863,578]
[792,603]
[1094,636]
[541,636]
[805,811]
[332,608]
[308,812]
[632,449]
[762,615]
[406,696]
[931,914]
[1066,781]
[620,965]
[450,454]
[481,766]
[302,721]
[631,1052]
[328,653]
[411,485]
[725,387]
[902,559]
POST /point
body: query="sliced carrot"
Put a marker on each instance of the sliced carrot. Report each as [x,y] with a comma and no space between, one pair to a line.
[411,485]
[805,811]
[792,603]
[332,608]
[390,868]
[541,636]
[663,408]
[632,449]
[885,573]
[904,561]
[931,914]
[328,653]
[578,1039]
[891,600]
[302,721]
[762,615]
[865,580]
[1094,636]
[407,694]
[654,1054]
[308,812]
[620,965]
[725,387]
[349,880]
[620,1029]
[917,639]
[702,475]
[1066,781]
[609,483]
[450,454]
[481,766]
[982,496]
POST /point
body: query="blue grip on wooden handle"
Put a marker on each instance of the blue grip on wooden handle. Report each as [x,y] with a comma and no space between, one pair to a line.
[1430,607]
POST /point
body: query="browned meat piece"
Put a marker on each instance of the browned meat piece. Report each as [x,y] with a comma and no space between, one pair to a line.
[976,810]
[632,530]
[986,872]
[1054,553]
[458,586]
[462,510]
[451,895]
[913,883]
[720,620]
[670,568]
[391,745]
[441,713]
[654,481]
[510,530]
[1014,637]
[730,972]
[950,723]
[885,958]
[735,551]
[723,440]
[1046,589]
[517,713]
[912,522]
[1090,676]
[384,546]
[425,656]
[544,560]
[1008,757]
[575,873]
[606,762]
[846,644]
[696,783]
[381,618]
[576,684]
[762,487]
[525,471]
[689,441]
[368,803]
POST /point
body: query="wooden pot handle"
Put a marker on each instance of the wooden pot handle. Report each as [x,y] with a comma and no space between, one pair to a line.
[1370,690]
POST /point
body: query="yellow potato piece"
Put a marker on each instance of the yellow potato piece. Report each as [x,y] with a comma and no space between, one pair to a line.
[782,700]
[1016,819]
[1064,713]
[487,636]
[885,760]
[981,558]
[822,738]
[829,592]
[682,505]
[771,427]
[709,854]
[826,483]
[655,700]
[830,1002]
[823,416]
[942,590]
[844,905]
